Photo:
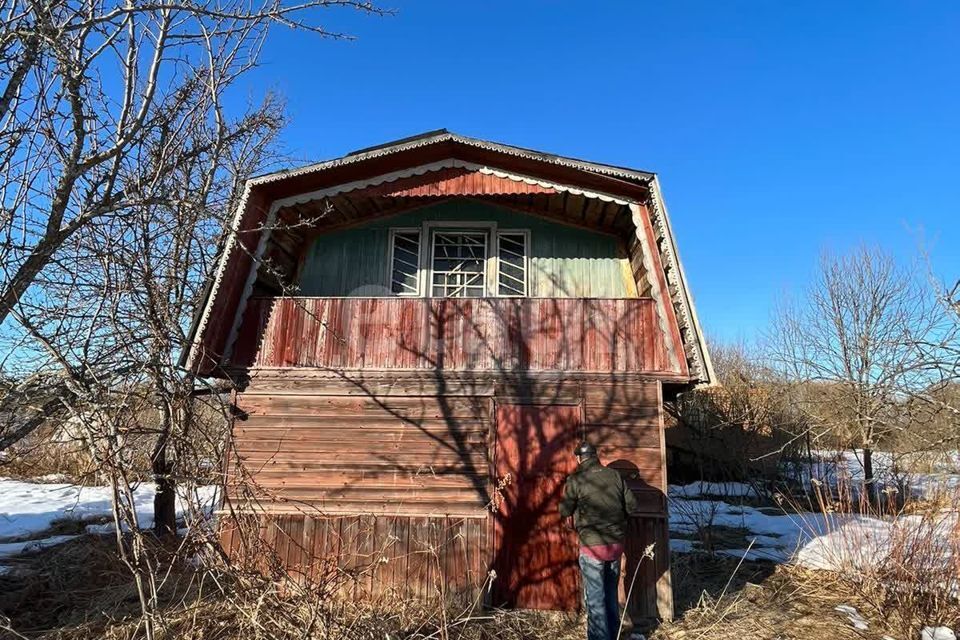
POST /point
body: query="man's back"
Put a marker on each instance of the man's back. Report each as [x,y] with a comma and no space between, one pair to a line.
[599,502]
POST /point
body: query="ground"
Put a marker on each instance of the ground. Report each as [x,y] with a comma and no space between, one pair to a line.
[744,567]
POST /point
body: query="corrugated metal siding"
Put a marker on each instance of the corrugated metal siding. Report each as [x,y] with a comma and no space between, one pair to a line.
[493,334]
[565,262]
[457,181]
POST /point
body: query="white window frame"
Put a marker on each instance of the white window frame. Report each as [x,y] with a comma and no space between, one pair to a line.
[391,244]
[491,264]
[526,262]
[432,226]
[485,279]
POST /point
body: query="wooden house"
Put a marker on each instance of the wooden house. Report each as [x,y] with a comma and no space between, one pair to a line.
[419,333]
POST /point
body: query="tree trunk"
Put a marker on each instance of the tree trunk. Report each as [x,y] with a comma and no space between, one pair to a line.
[165,499]
[869,485]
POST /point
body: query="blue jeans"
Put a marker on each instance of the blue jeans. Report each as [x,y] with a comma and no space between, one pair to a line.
[600,583]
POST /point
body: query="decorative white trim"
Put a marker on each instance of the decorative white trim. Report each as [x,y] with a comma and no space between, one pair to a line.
[449,163]
[233,231]
[691,333]
[251,280]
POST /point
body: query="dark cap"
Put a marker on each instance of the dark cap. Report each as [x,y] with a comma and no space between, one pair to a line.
[585,450]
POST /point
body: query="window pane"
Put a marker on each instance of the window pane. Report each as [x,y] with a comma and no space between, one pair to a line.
[404,280]
[459,264]
[512,264]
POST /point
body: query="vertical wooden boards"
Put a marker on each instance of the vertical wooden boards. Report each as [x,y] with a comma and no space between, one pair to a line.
[491,334]
[364,557]
[565,262]
[536,557]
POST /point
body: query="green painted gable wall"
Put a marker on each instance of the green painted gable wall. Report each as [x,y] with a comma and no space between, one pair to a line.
[564,261]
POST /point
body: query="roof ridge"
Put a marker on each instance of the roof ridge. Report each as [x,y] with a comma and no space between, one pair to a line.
[444,135]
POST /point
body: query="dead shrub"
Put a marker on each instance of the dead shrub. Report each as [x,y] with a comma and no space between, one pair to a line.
[739,430]
[899,556]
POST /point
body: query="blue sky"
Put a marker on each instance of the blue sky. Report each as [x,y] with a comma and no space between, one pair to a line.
[779,129]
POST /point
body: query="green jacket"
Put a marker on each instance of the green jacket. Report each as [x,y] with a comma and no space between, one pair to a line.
[599,502]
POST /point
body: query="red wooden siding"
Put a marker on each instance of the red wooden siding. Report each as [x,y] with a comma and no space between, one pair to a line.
[493,334]
[456,181]
[343,454]
[355,463]
[369,556]
[536,556]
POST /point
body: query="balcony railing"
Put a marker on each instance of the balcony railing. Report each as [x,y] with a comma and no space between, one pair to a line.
[490,334]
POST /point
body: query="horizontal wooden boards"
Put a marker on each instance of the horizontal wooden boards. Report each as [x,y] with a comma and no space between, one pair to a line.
[364,384]
[388,387]
[359,454]
[330,507]
[368,404]
[320,445]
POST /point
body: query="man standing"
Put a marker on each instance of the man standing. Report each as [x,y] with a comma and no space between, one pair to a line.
[600,503]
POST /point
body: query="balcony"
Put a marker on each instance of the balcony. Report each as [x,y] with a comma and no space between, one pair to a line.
[487,334]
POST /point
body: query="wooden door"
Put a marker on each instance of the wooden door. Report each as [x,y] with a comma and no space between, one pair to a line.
[536,557]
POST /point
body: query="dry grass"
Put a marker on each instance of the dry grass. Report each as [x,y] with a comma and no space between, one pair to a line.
[81,583]
[904,566]
[81,591]
[789,603]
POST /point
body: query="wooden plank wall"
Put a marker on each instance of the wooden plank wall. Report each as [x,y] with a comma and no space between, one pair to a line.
[492,334]
[347,463]
[369,556]
[624,421]
[361,454]
[564,261]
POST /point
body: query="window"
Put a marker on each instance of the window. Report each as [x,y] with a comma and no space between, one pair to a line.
[459,265]
[512,263]
[405,262]
[459,260]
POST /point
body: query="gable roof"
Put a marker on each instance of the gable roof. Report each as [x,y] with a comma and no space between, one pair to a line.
[441,136]
[393,164]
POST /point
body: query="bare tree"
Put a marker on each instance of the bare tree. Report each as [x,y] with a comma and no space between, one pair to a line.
[106,107]
[741,428]
[851,345]
[121,163]
[92,87]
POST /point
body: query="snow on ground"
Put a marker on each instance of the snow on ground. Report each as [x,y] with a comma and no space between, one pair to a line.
[776,537]
[919,474]
[822,542]
[715,489]
[835,541]
[30,508]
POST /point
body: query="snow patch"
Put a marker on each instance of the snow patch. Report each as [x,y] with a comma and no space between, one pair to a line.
[817,541]
[9,549]
[716,489]
[857,620]
[27,509]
